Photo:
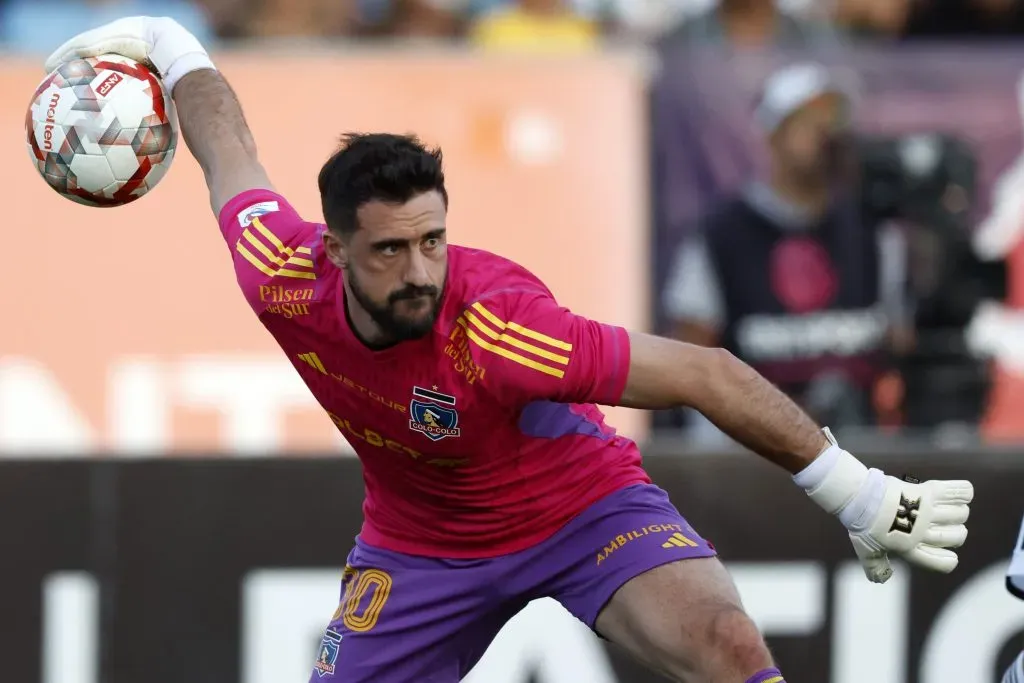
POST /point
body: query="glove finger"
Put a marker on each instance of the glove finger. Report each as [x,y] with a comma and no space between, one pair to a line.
[71,48]
[950,514]
[954,491]
[934,559]
[128,32]
[132,48]
[942,536]
[874,560]
[877,569]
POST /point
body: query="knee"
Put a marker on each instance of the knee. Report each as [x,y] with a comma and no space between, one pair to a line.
[733,639]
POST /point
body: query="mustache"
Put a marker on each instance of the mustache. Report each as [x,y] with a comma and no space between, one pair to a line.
[412,292]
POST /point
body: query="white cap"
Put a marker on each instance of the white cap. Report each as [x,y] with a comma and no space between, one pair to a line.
[792,87]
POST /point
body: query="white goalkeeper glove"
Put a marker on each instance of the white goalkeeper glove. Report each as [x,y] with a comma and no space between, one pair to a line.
[159,42]
[886,516]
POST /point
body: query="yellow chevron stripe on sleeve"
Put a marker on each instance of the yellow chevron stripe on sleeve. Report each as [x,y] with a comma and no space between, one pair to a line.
[493,319]
[258,224]
[513,341]
[537,336]
[525,331]
[267,270]
[262,248]
[513,356]
[299,261]
[282,269]
[776,679]
[299,274]
[285,251]
[254,260]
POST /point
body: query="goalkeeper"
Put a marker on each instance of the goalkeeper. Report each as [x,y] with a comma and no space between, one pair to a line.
[487,494]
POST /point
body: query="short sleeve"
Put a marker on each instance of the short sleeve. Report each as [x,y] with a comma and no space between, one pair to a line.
[533,349]
[271,246]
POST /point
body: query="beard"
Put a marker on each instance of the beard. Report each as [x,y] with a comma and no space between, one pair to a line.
[395,326]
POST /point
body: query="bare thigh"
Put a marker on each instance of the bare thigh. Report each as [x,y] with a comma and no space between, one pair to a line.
[686,619]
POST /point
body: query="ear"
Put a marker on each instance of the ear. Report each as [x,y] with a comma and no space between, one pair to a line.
[334,247]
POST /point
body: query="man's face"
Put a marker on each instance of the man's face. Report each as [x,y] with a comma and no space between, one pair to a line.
[805,144]
[396,263]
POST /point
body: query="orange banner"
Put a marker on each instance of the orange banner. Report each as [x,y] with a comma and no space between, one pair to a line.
[123,329]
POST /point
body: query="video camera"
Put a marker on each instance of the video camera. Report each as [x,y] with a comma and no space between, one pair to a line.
[928,184]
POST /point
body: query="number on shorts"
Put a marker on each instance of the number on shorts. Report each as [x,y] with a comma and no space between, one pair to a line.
[358,584]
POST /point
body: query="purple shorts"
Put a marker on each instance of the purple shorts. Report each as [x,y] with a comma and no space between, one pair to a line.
[406,619]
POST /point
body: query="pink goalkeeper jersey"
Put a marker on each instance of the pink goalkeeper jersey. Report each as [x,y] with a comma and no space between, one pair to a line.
[480,439]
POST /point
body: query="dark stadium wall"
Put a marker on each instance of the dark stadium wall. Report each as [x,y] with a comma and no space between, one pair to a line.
[185,570]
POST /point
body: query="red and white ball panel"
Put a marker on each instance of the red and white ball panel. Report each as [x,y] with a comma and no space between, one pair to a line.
[102,131]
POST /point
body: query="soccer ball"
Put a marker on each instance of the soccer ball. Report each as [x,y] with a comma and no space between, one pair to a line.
[102,131]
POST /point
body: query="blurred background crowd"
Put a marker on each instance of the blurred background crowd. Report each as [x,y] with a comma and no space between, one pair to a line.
[836,186]
[562,24]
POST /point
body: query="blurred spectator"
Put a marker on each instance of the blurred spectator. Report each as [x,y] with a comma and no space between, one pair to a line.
[752,23]
[536,25]
[788,274]
[649,19]
[40,26]
[873,18]
[411,19]
[426,19]
[319,18]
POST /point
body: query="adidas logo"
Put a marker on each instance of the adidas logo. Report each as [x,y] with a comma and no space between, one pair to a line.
[313,361]
[677,540]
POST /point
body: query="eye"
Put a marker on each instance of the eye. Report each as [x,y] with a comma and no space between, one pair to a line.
[388,249]
[433,242]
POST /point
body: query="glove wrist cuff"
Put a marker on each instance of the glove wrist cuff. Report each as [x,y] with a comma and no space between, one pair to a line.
[185,65]
[175,52]
[833,479]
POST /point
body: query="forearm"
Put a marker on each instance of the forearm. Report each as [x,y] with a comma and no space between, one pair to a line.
[882,514]
[666,374]
[752,411]
[215,130]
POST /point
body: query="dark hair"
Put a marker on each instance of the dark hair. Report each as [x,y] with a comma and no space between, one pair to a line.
[376,167]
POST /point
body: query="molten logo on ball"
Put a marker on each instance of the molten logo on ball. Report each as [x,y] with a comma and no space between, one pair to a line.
[51,111]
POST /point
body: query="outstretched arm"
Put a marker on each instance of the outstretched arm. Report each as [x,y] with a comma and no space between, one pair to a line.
[919,522]
[532,349]
[743,404]
[215,130]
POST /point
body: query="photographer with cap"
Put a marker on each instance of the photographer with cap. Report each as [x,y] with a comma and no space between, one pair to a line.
[791,274]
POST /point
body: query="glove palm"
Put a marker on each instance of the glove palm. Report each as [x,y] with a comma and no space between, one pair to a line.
[917,522]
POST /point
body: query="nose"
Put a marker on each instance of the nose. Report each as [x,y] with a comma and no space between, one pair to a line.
[416,273]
